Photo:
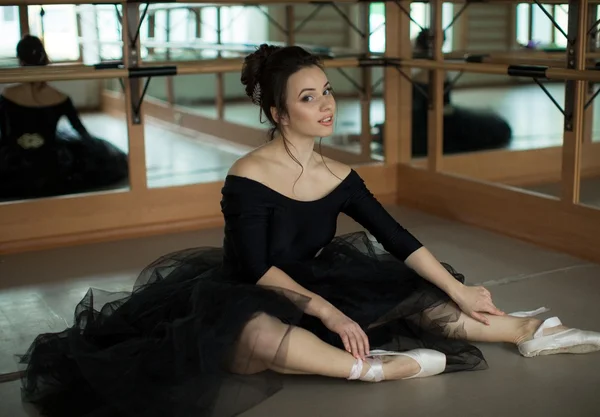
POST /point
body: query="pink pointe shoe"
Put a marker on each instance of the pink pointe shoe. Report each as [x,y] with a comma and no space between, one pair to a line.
[566,341]
[431,362]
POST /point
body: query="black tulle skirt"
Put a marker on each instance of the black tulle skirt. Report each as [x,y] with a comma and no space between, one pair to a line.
[69,164]
[465,130]
[167,347]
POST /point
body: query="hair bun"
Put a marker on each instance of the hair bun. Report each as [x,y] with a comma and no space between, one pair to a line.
[252,69]
[31,51]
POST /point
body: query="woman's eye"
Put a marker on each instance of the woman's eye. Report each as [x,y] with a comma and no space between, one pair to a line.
[327,92]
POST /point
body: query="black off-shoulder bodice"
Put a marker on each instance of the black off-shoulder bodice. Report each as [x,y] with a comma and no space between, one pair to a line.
[264,228]
[39,158]
[17,120]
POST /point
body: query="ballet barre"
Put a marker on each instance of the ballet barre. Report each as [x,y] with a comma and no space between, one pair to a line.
[150,69]
[474,64]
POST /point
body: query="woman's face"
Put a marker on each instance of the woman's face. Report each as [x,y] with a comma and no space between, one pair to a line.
[310,104]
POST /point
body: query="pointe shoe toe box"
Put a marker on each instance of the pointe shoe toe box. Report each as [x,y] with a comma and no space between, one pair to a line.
[565,341]
[568,341]
[431,361]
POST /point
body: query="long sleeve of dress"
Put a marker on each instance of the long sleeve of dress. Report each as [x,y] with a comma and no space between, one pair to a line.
[247,231]
[364,208]
[3,119]
[72,115]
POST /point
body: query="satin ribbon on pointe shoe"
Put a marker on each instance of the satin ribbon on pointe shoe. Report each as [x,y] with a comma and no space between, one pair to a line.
[431,362]
[566,341]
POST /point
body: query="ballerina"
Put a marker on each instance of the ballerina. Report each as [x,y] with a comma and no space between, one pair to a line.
[284,293]
[36,158]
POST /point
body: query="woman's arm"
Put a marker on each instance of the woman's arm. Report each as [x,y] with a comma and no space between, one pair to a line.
[472,300]
[427,266]
[73,116]
[247,222]
[363,207]
[353,336]
[317,306]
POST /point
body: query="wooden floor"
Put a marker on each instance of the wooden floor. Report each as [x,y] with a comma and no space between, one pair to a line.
[519,275]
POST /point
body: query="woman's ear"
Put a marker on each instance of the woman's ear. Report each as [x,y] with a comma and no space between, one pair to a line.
[278,119]
[274,114]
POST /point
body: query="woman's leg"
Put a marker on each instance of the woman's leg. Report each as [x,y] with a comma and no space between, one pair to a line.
[453,323]
[260,348]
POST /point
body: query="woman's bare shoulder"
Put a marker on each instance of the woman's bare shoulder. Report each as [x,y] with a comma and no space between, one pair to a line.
[254,165]
[22,94]
[339,169]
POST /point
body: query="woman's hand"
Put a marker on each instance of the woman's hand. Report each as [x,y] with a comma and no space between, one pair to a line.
[474,301]
[354,338]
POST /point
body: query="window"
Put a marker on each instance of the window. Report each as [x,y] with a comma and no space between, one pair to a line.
[11,34]
[57,26]
[10,14]
[533,25]
[377,27]
[420,14]
[106,31]
[189,27]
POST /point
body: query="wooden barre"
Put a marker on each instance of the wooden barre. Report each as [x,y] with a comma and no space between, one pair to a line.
[512,70]
[43,74]
[560,63]
[234,65]
[82,72]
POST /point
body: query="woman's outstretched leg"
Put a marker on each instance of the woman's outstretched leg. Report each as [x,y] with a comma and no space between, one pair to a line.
[449,320]
[260,348]
[533,337]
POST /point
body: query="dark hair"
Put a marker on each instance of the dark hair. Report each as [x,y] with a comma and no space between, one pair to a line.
[424,40]
[265,74]
[31,51]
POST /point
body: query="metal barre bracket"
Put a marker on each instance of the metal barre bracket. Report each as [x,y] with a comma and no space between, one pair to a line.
[533,71]
[378,62]
[476,59]
[109,65]
[163,71]
[137,72]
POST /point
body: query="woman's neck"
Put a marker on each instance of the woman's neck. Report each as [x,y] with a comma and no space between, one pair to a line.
[301,148]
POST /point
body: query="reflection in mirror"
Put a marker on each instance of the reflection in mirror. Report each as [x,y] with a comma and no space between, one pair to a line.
[59,26]
[100,32]
[185,140]
[589,167]
[359,120]
[192,32]
[55,138]
[11,34]
[589,193]
[505,130]
[197,125]
[72,34]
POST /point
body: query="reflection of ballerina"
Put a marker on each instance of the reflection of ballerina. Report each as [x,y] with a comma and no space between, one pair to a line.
[36,158]
[283,294]
[465,130]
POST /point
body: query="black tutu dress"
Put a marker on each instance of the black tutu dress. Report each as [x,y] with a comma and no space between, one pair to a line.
[464,130]
[39,160]
[165,348]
